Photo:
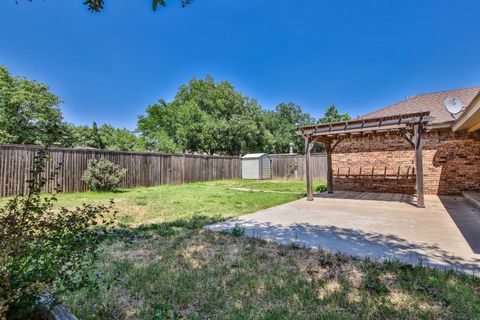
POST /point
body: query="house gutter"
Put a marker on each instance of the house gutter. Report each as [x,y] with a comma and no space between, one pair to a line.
[439,126]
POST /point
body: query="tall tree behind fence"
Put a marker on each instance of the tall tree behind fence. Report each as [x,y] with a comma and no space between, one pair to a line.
[143,169]
[286,166]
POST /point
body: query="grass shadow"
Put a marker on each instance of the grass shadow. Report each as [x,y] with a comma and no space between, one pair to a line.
[165,229]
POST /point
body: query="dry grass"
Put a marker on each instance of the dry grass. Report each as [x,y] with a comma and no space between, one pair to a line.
[198,274]
[174,268]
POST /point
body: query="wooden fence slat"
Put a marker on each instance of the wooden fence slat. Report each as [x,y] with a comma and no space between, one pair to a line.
[143,168]
[283,166]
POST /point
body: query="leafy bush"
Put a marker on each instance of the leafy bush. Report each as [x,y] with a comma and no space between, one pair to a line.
[103,175]
[46,250]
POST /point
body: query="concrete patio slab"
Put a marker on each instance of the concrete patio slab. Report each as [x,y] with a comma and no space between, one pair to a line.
[445,234]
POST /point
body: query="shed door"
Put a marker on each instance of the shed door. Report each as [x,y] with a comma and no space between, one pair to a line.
[250,169]
[265,171]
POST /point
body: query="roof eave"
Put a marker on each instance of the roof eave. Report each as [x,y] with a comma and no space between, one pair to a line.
[470,118]
[440,125]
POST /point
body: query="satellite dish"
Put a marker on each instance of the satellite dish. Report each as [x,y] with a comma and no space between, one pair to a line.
[453,104]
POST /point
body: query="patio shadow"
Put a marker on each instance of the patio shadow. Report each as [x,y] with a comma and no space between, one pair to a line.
[378,196]
[354,242]
[467,219]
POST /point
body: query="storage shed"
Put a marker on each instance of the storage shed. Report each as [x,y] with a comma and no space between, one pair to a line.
[256,166]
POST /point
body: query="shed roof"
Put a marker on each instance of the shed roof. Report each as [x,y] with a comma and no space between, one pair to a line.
[253,155]
[428,102]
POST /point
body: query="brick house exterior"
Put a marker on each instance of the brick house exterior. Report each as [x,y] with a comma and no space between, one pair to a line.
[451,150]
[451,163]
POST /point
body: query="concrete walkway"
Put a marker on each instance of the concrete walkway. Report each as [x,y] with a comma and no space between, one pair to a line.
[266,191]
[445,234]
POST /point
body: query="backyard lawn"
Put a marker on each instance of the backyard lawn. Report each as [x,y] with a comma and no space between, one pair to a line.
[205,201]
[165,265]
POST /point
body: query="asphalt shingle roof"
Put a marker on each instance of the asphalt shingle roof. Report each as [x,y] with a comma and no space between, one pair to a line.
[432,102]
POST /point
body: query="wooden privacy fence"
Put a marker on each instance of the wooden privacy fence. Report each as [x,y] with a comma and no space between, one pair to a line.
[287,166]
[143,169]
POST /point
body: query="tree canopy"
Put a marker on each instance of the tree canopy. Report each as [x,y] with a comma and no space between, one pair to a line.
[103,137]
[213,118]
[282,124]
[205,116]
[333,115]
[29,112]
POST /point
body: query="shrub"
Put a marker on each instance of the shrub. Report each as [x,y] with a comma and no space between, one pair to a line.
[46,250]
[292,167]
[238,231]
[103,175]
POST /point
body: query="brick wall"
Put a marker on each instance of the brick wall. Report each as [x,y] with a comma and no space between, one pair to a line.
[451,163]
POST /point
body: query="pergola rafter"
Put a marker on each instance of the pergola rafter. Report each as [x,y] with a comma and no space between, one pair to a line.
[409,126]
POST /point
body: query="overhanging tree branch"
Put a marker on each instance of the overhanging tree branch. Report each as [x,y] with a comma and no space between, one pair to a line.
[98,5]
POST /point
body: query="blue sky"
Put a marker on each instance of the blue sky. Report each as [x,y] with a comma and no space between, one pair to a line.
[358,55]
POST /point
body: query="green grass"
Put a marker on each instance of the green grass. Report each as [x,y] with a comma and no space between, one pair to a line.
[279,186]
[209,200]
[171,266]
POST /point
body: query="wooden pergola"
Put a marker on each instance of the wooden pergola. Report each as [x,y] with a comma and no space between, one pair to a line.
[409,126]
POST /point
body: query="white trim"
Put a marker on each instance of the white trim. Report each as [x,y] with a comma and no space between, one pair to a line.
[253,155]
[472,110]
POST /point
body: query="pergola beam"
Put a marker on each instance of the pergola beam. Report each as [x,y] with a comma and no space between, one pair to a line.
[410,118]
[353,129]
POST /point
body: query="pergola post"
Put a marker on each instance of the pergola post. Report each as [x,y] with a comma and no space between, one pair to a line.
[418,130]
[308,165]
[329,149]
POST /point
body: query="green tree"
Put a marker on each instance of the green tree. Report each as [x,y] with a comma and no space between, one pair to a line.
[119,139]
[206,117]
[158,141]
[29,112]
[84,137]
[333,115]
[79,136]
[104,137]
[158,129]
[283,123]
[98,141]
